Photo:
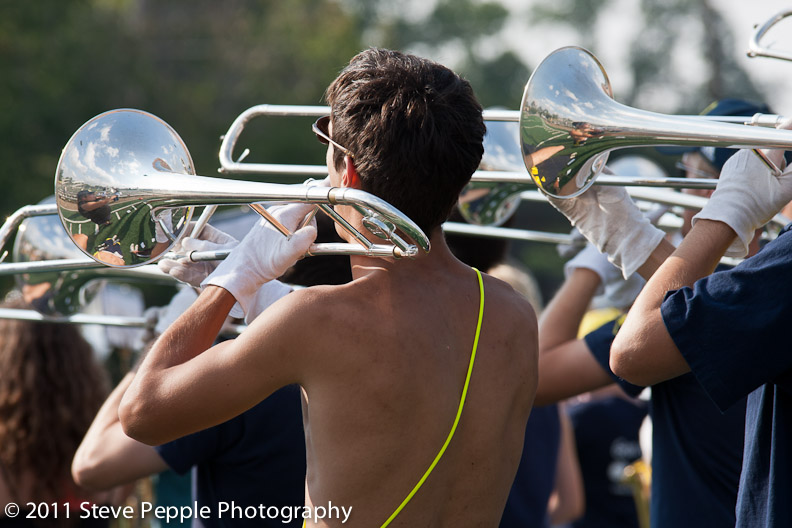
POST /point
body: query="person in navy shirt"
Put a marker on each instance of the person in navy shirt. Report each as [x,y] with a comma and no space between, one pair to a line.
[726,328]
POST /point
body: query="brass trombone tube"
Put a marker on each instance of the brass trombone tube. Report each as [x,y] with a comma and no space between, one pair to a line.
[11,224]
[509,233]
[755,49]
[103,320]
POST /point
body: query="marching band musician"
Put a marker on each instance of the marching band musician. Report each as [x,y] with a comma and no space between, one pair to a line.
[400,426]
[724,327]
[696,447]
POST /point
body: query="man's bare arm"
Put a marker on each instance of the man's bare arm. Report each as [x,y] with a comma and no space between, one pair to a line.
[186,385]
[643,351]
[107,457]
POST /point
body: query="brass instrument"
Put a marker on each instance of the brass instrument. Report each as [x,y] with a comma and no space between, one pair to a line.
[125,188]
[569,123]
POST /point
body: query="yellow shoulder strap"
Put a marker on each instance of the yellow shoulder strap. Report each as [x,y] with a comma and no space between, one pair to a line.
[459,410]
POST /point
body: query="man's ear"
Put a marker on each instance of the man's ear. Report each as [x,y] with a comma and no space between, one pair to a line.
[350,176]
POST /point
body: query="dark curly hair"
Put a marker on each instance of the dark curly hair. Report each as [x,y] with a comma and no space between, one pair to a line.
[415,128]
[50,390]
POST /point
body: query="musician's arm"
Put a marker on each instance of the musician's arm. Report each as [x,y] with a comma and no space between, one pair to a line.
[643,352]
[186,385]
[107,457]
[566,365]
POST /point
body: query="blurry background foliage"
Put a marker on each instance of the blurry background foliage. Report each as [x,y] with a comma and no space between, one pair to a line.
[199,63]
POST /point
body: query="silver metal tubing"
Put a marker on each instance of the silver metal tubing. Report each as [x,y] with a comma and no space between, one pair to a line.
[569,123]
[755,49]
[11,224]
[103,320]
[459,228]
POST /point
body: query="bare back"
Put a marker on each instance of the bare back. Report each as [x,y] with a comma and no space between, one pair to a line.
[389,357]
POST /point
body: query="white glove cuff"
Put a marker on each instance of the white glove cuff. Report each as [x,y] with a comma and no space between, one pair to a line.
[634,248]
[241,285]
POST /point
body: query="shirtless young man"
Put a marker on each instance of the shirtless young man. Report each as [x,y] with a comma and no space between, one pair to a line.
[383,360]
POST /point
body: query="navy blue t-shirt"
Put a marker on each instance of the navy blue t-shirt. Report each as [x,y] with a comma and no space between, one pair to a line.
[535,479]
[731,328]
[696,449]
[606,434]
[257,458]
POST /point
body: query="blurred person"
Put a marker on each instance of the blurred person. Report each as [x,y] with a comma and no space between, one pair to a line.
[50,387]
[606,423]
[255,458]
[384,354]
[724,327]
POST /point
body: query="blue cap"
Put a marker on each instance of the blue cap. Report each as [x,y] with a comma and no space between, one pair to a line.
[725,107]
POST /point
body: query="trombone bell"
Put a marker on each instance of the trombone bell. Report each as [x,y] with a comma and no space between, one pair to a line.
[103,187]
[569,123]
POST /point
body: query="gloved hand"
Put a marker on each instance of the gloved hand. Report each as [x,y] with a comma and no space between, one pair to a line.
[748,195]
[611,221]
[193,273]
[264,254]
[590,258]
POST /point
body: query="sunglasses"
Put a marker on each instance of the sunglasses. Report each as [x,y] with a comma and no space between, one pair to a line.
[320,128]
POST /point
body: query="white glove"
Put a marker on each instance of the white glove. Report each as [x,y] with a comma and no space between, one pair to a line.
[193,273]
[264,254]
[610,220]
[590,258]
[747,196]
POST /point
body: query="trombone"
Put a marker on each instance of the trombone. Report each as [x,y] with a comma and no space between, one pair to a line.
[569,123]
[125,188]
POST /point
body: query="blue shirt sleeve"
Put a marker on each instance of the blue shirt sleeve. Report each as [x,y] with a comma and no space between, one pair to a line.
[732,326]
[599,343]
[184,453]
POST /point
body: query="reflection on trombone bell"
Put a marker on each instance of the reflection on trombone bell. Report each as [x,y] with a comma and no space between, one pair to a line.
[140,162]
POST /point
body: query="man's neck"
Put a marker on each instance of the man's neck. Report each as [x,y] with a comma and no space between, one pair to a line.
[439,255]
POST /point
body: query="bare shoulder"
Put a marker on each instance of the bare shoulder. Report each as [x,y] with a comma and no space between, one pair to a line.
[513,332]
[303,308]
[301,323]
[511,306]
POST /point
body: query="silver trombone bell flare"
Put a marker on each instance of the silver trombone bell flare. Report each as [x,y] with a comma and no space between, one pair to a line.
[125,187]
[569,123]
